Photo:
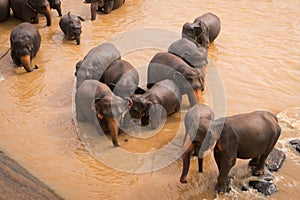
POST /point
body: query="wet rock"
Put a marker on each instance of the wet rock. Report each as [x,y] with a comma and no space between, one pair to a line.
[296,144]
[275,159]
[263,187]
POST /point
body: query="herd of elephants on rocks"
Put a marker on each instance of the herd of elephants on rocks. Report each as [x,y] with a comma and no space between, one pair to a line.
[108,92]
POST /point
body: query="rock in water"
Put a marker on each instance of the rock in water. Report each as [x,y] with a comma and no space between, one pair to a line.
[296,144]
[275,159]
[263,187]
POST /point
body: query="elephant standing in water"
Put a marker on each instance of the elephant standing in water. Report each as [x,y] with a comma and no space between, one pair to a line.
[96,103]
[25,41]
[105,6]
[4,10]
[246,136]
[71,26]
[203,30]
[189,80]
[28,10]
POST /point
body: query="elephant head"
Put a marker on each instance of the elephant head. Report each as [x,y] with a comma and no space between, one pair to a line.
[56,4]
[111,109]
[41,6]
[197,31]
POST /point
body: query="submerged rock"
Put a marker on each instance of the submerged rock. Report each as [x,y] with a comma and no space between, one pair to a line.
[275,159]
[296,144]
[263,187]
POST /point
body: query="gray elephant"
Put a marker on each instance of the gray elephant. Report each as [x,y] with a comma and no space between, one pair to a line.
[189,80]
[149,106]
[56,4]
[192,54]
[95,62]
[96,103]
[71,26]
[121,77]
[25,41]
[105,6]
[4,10]
[204,30]
[246,136]
[28,10]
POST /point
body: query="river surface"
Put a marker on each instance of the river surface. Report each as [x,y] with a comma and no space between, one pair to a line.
[254,64]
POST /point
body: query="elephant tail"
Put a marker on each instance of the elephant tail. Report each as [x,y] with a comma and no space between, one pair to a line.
[5,54]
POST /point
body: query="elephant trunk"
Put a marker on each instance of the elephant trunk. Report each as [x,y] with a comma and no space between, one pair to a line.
[26,62]
[200,164]
[114,129]
[94,6]
[188,148]
[47,14]
[77,37]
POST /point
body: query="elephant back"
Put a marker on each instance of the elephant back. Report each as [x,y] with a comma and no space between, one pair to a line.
[187,50]
[96,61]
[4,10]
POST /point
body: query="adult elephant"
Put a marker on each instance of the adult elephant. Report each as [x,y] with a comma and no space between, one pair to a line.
[96,103]
[95,62]
[25,41]
[105,6]
[169,66]
[149,106]
[203,30]
[28,10]
[121,77]
[56,4]
[246,136]
[192,54]
[4,10]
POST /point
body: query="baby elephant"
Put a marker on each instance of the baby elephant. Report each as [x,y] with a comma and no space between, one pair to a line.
[96,103]
[149,106]
[246,136]
[71,26]
[25,41]
[204,30]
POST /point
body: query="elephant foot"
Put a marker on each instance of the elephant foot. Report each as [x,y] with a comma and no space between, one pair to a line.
[116,144]
[259,172]
[222,188]
[183,180]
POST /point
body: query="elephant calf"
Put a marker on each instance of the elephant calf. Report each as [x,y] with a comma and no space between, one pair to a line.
[71,26]
[204,30]
[149,106]
[25,41]
[246,136]
[96,103]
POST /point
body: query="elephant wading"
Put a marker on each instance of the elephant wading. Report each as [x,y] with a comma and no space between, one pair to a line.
[189,80]
[105,6]
[28,10]
[149,106]
[25,41]
[56,4]
[246,136]
[96,103]
[4,10]
[193,55]
[71,26]
[204,30]
[95,62]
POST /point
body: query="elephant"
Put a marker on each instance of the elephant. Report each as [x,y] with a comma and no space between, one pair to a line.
[28,10]
[25,41]
[71,26]
[192,54]
[245,136]
[96,103]
[56,4]
[204,30]
[4,10]
[95,62]
[105,6]
[121,77]
[149,106]
[189,80]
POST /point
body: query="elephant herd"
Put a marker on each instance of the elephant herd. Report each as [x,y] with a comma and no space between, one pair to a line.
[108,92]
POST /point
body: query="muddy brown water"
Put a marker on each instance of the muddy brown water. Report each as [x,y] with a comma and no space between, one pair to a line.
[256,61]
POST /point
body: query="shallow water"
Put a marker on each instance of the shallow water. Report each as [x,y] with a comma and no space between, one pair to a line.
[254,64]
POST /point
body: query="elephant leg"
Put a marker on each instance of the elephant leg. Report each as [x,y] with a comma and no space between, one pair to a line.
[225,164]
[155,115]
[35,19]
[260,165]
[114,129]
[127,119]
[188,148]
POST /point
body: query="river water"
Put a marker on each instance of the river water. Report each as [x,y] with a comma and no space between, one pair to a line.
[254,64]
